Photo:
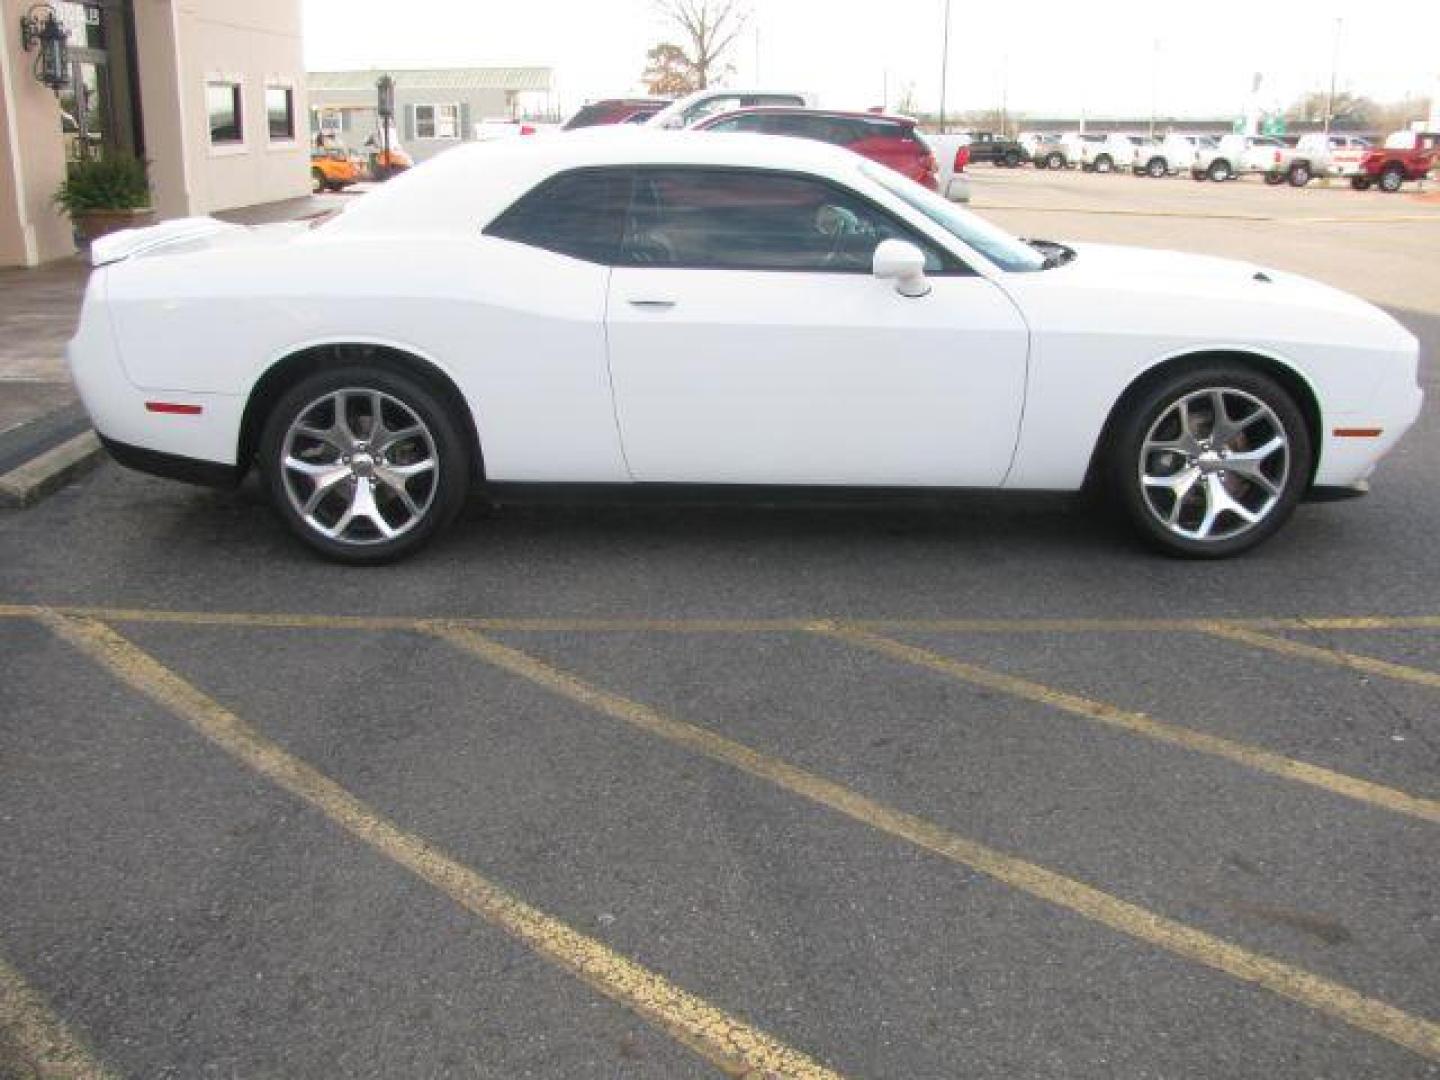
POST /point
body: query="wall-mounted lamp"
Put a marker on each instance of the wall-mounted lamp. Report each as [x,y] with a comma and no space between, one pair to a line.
[42,30]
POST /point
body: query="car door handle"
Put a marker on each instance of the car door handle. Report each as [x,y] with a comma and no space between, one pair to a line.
[656,305]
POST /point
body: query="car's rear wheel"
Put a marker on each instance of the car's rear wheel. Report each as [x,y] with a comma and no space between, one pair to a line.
[1103,164]
[1156,167]
[1299,174]
[1055,161]
[1210,462]
[364,464]
[1219,170]
[1392,178]
[1012,159]
[317,181]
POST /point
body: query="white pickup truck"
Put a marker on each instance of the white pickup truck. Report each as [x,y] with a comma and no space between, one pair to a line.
[1318,154]
[1237,155]
[1109,152]
[1173,154]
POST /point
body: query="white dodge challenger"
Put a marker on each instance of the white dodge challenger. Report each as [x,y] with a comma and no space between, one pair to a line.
[651,308]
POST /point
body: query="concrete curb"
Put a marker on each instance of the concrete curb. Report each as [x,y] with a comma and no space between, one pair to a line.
[48,472]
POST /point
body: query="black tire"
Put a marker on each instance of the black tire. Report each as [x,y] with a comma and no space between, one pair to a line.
[1219,170]
[317,181]
[1055,161]
[1360,183]
[1299,174]
[1012,159]
[1104,163]
[1126,457]
[1156,168]
[438,495]
[1392,177]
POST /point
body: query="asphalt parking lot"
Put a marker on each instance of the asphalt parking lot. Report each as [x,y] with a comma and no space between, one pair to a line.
[962,787]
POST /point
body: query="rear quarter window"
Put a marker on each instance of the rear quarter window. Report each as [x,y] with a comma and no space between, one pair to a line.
[580,214]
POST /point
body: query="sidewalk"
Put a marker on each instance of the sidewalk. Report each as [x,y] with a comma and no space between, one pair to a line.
[38,309]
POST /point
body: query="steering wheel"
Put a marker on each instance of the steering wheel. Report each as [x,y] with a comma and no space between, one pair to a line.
[650,248]
[838,223]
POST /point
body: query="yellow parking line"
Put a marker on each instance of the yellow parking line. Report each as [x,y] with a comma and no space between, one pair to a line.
[1358,622]
[733,1046]
[1412,1032]
[1368,664]
[43,1047]
[306,621]
[1251,757]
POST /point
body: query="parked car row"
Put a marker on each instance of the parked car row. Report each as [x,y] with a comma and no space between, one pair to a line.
[1405,156]
[938,161]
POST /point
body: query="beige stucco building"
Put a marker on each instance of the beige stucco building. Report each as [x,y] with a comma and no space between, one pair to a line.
[210,92]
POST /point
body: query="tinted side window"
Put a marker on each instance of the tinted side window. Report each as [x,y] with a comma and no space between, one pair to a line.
[750,100]
[738,219]
[581,214]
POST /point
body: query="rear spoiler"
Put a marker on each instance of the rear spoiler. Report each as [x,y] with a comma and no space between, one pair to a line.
[117,246]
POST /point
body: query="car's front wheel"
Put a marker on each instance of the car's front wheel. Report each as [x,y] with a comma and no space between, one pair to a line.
[1392,179]
[1156,168]
[364,464]
[1210,462]
[1219,171]
[1055,161]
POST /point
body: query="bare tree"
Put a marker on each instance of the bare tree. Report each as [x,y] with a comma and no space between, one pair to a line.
[708,28]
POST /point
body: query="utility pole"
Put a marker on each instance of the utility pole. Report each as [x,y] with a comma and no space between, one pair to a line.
[1334,68]
[1004,94]
[1154,83]
[944,63]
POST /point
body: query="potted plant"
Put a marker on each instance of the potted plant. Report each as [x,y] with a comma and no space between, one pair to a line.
[105,193]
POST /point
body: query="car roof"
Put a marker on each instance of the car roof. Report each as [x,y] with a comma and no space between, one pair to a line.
[480,179]
[801,110]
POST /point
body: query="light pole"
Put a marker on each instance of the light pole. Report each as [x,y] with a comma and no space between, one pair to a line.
[944,63]
[1334,67]
[1154,84]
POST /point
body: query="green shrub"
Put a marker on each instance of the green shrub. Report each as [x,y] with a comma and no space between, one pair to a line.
[109,181]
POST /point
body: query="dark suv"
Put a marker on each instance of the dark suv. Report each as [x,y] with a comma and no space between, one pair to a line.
[889,140]
[987,146]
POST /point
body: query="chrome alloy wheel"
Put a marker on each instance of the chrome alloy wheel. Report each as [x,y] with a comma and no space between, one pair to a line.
[1214,464]
[359,466]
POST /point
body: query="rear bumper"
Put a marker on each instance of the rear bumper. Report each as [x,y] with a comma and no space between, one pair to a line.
[174,466]
[123,413]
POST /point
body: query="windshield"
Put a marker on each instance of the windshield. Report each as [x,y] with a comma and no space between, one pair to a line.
[1002,249]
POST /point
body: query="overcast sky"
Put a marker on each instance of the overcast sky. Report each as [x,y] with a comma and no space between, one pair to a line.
[1048,56]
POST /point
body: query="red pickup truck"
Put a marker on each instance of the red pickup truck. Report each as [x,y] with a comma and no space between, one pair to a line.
[1406,155]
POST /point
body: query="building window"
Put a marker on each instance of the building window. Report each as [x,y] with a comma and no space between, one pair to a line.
[280,111]
[437,121]
[227,121]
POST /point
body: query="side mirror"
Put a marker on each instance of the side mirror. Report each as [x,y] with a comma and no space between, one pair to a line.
[903,263]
